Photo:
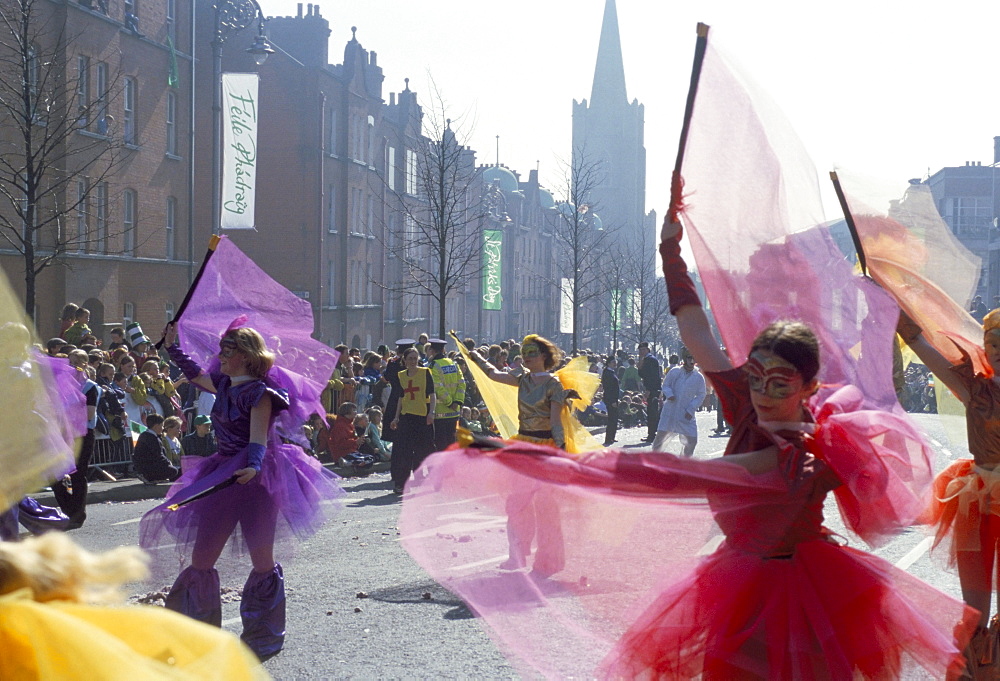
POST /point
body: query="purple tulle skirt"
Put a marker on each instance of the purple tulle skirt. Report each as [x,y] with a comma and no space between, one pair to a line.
[288,501]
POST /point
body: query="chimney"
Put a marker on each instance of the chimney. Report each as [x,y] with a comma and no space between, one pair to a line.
[300,10]
[996,149]
[392,99]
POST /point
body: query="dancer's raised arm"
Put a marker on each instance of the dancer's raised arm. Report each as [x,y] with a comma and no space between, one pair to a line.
[686,306]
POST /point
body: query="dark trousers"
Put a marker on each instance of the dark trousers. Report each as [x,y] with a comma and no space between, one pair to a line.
[74,504]
[652,414]
[445,433]
[413,442]
[612,429]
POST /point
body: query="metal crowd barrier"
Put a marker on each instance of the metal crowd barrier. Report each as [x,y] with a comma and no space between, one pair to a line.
[108,452]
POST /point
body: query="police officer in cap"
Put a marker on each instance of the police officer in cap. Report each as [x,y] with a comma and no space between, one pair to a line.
[449,386]
[391,374]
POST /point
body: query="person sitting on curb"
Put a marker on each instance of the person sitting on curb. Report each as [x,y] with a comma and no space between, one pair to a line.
[201,442]
[151,462]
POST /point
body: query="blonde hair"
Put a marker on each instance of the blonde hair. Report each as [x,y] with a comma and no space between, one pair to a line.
[55,568]
[991,322]
[248,341]
[171,421]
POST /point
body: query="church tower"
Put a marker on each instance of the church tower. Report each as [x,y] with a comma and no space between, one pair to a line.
[608,131]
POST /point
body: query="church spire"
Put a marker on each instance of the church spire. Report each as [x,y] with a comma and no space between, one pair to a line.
[609,75]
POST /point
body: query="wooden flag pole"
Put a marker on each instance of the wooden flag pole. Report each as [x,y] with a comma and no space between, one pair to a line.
[849,219]
[213,243]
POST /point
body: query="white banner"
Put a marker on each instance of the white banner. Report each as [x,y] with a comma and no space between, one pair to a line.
[239,149]
[566,307]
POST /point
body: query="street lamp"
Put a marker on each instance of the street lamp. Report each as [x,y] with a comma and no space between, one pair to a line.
[231,17]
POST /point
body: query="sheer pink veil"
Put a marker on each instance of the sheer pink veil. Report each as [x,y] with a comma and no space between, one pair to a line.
[764,252]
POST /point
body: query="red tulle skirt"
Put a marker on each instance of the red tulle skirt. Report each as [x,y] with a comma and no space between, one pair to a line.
[826,612]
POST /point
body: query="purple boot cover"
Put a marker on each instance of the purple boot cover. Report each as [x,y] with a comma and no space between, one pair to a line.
[38,519]
[195,593]
[8,525]
[263,612]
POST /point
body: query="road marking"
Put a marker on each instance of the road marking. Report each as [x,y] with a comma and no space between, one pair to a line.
[129,522]
[711,545]
[944,450]
[485,561]
[915,553]
[461,501]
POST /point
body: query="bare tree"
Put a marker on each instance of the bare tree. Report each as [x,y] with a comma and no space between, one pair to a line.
[438,238]
[582,240]
[57,147]
[647,313]
[615,297]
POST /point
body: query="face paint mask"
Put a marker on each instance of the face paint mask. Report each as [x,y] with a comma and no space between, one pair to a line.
[772,376]
[530,350]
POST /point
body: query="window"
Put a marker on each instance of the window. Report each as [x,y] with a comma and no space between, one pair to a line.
[370,136]
[171,124]
[971,216]
[331,145]
[100,241]
[82,90]
[356,208]
[330,281]
[370,221]
[101,103]
[331,218]
[390,164]
[128,95]
[128,222]
[132,15]
[411,172]
[128,312]
[171,225]
[168,310]
[82,198]
[172,20]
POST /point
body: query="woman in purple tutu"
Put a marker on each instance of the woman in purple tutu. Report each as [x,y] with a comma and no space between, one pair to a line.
[277,487]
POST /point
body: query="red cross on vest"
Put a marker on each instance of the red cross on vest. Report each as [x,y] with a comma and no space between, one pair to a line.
[412,389]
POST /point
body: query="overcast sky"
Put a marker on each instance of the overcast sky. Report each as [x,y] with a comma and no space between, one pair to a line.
[884,87]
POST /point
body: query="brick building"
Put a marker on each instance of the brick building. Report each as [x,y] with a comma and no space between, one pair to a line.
[123,250]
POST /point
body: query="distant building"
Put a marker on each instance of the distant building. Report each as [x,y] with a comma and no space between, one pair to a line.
[608,131]
[968,200]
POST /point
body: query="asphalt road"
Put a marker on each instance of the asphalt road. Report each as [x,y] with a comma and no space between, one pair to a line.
[405,625]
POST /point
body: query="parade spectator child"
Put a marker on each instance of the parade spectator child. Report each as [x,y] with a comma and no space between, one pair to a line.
[79,329]
[475,425]
[68,317]
[374,433]
[172,440]
[342,440]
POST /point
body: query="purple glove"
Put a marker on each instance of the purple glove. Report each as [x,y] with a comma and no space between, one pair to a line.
[255,455]
[187,365]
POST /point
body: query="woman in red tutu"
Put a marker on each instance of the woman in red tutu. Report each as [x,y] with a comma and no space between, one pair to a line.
[966,502]
[787,601]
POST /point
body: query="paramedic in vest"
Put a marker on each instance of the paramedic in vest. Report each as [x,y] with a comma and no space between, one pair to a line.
[449,385]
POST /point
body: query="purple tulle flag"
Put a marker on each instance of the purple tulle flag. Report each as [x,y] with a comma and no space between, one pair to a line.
[233,286]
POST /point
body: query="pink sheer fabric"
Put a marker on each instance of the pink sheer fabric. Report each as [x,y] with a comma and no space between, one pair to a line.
[614,582]
[643,583]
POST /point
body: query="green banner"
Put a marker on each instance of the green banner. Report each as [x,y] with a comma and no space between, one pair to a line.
[616,308]
[492,268]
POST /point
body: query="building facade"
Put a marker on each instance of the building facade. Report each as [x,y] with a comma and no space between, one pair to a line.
[115,215]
